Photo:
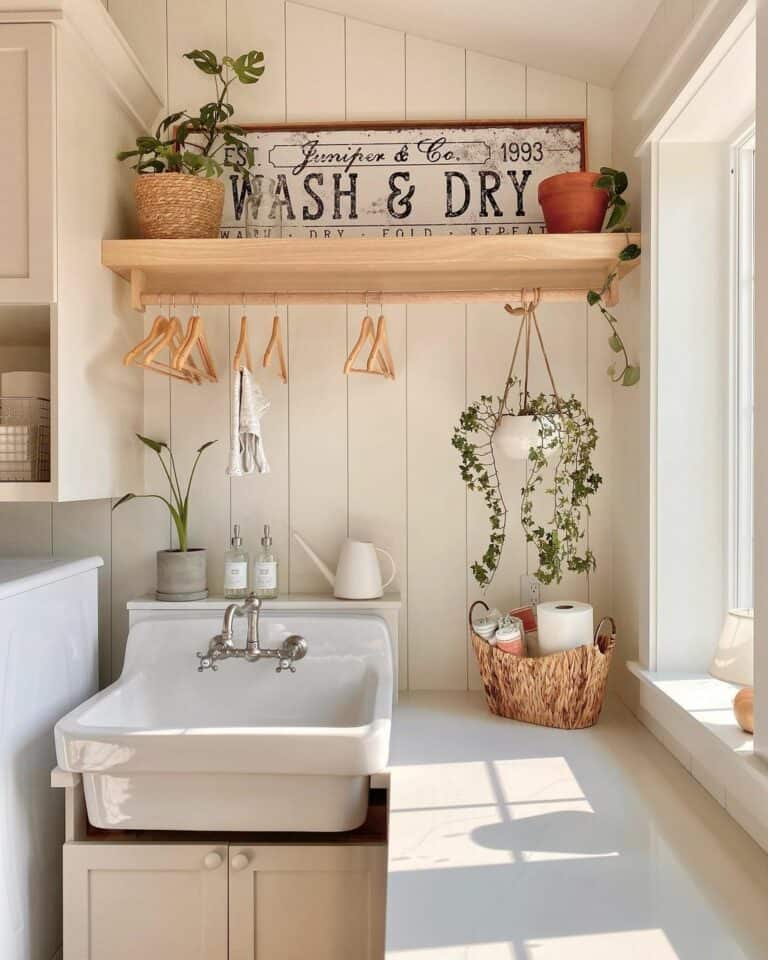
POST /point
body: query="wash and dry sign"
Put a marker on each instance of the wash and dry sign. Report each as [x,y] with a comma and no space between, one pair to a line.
[404,180]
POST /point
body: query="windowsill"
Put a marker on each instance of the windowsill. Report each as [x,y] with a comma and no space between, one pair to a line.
[703,698]
[692,715]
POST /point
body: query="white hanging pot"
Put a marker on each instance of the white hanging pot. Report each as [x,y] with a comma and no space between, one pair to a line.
[514,437]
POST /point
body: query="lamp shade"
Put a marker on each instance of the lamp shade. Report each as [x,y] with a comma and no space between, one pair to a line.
[733,659]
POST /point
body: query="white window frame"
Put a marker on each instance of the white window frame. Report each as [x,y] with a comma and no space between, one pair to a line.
[741,445]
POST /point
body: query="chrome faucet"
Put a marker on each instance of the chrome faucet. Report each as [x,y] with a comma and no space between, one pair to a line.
[222,646]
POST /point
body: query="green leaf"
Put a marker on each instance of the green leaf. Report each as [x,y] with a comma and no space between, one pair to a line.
[157,166]
[615,343]
[145,144]
[205,446]
[604,183]
[249,67]
[611,371]
[156,445]
[618,213]
[620,182]
[126,154]
[631,376]
[609,171]
[124,499]
[593,297]
[631,252]
[204,60]
[168,122]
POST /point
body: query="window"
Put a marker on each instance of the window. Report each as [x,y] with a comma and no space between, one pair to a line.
[742,394]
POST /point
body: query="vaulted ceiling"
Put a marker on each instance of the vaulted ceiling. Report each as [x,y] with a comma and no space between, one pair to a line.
[587,39]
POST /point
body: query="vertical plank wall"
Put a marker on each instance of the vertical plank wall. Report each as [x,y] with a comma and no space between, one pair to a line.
[358,456]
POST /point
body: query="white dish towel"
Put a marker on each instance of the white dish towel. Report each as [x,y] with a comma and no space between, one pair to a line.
[246,446]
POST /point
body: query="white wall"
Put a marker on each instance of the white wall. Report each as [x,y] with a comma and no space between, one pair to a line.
[353,456]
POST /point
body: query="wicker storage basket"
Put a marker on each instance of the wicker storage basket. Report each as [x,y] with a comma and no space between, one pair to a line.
[564,690]
[178,206]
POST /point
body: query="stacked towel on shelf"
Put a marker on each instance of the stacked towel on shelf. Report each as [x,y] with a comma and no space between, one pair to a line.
[246,446]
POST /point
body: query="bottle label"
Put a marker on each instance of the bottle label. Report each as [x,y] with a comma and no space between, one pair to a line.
[265,575]
[235,575]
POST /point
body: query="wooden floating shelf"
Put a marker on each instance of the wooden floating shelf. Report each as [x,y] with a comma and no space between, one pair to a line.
[402,270]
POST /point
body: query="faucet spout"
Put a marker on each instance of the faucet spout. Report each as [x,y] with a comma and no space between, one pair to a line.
[222,646]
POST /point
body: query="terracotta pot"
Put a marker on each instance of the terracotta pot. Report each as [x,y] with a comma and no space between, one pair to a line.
[572,204]
[178,206]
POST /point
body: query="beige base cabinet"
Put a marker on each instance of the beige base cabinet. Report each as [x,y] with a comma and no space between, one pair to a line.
[200,901]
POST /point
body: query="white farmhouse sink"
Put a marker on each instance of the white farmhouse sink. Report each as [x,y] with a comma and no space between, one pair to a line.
[244,748]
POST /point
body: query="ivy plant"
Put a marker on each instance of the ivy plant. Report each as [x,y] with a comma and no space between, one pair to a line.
[192,143]
[615,182]
[567,440]
[178,505]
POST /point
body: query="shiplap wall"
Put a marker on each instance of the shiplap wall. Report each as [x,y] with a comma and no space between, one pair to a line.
[362,456]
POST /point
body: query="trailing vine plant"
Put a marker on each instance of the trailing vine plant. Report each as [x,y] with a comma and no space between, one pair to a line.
[480,472]
[566,439]
[615,182]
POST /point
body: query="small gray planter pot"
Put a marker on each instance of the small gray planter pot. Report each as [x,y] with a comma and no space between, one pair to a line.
[181,575]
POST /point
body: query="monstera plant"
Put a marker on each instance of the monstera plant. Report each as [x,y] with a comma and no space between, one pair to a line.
[190,151]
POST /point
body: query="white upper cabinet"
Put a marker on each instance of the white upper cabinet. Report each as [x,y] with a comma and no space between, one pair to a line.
[71,96]
[27,120]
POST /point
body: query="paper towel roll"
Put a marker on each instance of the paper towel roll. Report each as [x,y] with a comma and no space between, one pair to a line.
[563,625]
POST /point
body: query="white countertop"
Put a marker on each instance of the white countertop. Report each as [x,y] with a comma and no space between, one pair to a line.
[286,601]
[19,574]
[523,843]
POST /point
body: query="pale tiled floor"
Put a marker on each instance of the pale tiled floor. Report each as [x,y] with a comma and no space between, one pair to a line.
[518,842]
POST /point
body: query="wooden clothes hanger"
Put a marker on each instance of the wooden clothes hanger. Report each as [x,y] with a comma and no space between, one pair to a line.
[195,337]
[165,333]
[276,341]
[381,349]
[380,355]
[243,348]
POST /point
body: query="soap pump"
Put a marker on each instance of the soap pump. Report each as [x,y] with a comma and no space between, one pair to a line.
[265,568]
[236,568]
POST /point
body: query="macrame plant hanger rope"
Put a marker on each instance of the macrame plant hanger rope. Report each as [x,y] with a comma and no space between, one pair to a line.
[527,312]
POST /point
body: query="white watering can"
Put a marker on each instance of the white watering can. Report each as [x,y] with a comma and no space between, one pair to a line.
[358,575]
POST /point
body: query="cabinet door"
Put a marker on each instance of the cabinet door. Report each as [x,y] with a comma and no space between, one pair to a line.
[26,184]
[297,902]
[145,902]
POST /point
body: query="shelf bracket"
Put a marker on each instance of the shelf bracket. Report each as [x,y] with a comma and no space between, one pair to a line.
[138,283]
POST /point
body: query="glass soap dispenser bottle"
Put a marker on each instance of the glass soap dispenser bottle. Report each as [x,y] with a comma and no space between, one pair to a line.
[265,568]
[236,568]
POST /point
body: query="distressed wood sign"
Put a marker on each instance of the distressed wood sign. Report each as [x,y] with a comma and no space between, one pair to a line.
[384,180]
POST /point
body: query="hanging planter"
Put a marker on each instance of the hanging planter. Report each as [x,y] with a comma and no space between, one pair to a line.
[561,438]
[515,435]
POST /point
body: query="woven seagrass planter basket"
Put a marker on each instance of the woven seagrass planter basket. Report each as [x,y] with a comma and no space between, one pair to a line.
[564,690]
[178,206]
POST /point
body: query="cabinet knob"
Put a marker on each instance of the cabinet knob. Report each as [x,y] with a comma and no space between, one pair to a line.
[212,860]
[239,861]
